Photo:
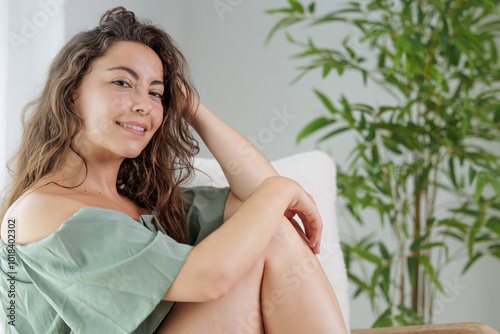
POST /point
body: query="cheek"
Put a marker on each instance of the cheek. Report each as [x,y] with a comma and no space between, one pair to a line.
[97,111]
[114,101]
[158,118]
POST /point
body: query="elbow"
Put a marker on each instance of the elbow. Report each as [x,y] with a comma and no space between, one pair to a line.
[220,286]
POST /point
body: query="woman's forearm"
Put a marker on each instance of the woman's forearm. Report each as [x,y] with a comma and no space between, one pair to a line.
[225,256]
[243,165]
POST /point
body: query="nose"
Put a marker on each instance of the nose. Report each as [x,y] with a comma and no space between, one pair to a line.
[142,102]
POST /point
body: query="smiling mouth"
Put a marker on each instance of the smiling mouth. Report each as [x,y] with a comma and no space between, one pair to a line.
[138,128]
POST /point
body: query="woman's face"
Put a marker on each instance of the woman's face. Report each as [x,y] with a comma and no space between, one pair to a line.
[120,102]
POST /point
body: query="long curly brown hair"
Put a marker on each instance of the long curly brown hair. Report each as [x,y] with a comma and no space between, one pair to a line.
[152,179]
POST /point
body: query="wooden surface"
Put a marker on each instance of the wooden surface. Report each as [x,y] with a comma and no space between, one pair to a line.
[457,328]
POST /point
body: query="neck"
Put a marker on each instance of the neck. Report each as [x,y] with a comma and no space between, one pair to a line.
[98,178]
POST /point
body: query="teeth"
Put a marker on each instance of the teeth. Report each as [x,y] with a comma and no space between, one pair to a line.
[132,126]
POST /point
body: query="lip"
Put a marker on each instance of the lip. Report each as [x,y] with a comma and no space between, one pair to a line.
[136,132]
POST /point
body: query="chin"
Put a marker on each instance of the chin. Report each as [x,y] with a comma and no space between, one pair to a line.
[133,153]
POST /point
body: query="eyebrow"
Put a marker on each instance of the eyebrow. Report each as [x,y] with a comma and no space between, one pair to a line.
[134,74]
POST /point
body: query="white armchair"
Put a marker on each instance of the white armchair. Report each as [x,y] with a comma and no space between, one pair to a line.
[315,172]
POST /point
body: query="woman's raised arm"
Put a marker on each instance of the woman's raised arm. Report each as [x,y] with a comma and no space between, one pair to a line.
[243,165]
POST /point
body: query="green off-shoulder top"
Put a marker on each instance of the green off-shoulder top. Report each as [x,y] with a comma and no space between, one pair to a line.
[101,272]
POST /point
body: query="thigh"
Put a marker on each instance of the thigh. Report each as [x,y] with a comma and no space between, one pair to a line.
[237,312]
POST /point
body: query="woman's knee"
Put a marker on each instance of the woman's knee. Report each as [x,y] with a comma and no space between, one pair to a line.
[289,260]
[288,238]
[290,231]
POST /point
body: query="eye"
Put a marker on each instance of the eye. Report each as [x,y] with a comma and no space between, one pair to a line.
[121,83]
[157,95]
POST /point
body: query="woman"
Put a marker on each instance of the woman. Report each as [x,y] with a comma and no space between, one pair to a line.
[99,236]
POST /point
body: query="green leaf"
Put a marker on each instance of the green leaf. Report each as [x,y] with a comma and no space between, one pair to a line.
[314,126]
[289,37]
[472,235]
[279,10]
[464,48]
[340,70]
[466,211]
[401,320]
[412,266]
[381,60]
[479,188]
[374,284]
[384,251]
[353,198]
[384,320]
[283,23]
[493,6]
[362,285]
[451,165]
[436,244]
[362,107]
[333,133]
[494,225]
[429,269]
[326,69]
[454,223]
[415,318]
[392,145]
[416,243]
[312,7]
[365,254]
[471,262]
[494,182]
[494,250]
[297,6]
[326,101]
[368,138]
[397,58]
[386,283]
[489,27]
[452,234]
[472,175]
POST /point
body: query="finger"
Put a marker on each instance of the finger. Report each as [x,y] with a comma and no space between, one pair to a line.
[316,233]
[314,244]
[316,249]
[314,238]
[312,198]
[313,231]
[297,227]
[307,231]
[289,214]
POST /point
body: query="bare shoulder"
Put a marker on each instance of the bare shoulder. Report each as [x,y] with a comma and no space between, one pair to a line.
[37,215]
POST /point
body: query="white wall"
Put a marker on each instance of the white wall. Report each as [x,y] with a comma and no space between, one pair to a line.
[35,34]
[4,22]
[245,84]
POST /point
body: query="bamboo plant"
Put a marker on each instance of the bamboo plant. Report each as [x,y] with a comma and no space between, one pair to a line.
[439,138]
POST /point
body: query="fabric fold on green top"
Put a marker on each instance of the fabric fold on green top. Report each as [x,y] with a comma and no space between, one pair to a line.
[102,271]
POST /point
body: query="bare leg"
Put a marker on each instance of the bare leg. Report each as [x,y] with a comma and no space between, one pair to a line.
[238,312]
[296,294]
[321,272]
[285,292]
